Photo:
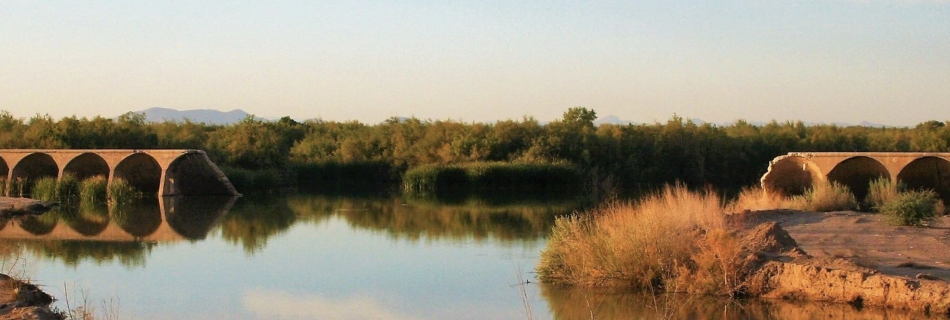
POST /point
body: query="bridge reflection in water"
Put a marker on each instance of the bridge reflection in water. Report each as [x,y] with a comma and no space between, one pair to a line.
[164,219]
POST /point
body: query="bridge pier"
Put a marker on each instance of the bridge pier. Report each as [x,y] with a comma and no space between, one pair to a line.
[164,172]
[795,172]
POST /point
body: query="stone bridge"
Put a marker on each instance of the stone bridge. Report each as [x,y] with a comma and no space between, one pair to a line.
[165,172]
[795,172]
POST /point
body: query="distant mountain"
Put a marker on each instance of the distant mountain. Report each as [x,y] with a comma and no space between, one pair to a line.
[199,115]
[611,119]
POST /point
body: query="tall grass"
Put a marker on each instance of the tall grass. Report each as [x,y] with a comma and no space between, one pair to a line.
[825,196]
[881,191]
[67,188]
[93,190]
[663,240]
[44,189]
[120,192]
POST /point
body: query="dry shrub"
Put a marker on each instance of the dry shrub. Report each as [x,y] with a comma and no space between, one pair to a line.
[633,244]
[716,265]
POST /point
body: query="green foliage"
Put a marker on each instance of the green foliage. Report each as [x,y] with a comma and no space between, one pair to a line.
[67,190]
[881,191]
[635,156]
[345,177]
[44,189]
[912,208]
[120,192]
[492,178]
[93,190]
[260,180]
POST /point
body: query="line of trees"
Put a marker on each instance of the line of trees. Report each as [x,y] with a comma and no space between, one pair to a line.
[320,153]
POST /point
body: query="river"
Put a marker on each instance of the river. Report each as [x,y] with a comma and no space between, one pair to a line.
[329,257]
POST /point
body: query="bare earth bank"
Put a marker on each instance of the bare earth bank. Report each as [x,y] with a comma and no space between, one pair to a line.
[850,257]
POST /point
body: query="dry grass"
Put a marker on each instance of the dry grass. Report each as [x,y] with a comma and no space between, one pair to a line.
[671,235]
[880,191]
[755,199]
[823,196]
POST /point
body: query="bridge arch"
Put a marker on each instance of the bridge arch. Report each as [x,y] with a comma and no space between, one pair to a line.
[857,173]
[192,173]
[34,166]
[141,170]
[87,165]
[928,173]
[791,175]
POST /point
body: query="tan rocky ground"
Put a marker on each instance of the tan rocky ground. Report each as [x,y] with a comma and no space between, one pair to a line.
[851,257]
[868,241]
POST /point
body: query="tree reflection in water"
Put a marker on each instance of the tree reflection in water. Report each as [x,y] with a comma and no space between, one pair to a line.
[253,220]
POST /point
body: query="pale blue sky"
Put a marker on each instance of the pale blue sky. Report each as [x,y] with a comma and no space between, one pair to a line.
[884,61]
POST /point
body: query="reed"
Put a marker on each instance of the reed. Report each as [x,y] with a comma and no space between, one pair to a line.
[67,188]
[44,189]
[120,192]
[93,190]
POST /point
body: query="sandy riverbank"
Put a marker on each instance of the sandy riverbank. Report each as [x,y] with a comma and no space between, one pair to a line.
[855,258]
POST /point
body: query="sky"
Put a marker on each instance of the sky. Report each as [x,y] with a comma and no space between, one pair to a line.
[882,61]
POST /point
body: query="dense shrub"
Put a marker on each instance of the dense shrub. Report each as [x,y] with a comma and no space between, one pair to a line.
[492,178]
[912,208]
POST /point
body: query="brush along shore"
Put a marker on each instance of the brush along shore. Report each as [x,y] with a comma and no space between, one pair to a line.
[690,242]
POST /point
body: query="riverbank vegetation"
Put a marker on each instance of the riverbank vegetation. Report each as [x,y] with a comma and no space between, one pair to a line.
[70,191]
[676,240]
[318,154]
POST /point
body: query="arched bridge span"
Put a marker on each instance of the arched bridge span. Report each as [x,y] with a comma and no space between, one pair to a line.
[165,172]
[795,172]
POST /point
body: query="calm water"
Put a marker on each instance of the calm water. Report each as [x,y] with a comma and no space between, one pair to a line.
[317,257]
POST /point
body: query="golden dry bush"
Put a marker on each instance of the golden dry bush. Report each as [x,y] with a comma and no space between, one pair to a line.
[631,244]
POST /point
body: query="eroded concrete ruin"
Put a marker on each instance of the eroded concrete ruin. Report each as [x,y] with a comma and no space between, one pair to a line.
[165,172]
[795,172]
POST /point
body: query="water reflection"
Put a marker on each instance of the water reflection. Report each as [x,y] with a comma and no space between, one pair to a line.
[254,220]
[577,303]
[119,233]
